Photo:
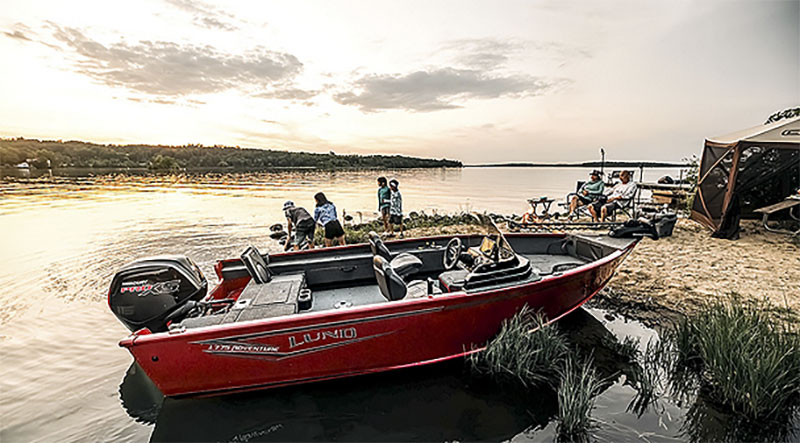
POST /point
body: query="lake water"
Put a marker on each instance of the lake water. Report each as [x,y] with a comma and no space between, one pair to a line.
[63,378]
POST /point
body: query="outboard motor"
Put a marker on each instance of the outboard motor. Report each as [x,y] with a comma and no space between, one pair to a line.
[149,292]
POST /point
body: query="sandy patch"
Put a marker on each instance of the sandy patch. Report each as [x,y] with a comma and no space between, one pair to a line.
[680,272]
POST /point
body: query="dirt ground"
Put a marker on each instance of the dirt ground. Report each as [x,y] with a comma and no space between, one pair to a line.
[678,273]
[681,272]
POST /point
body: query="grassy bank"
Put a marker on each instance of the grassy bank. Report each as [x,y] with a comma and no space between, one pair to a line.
[417,224]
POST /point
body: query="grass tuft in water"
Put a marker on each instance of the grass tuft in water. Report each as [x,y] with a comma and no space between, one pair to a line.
[742,357]
[524,350]
[647,378]
[576,399]
[626,350]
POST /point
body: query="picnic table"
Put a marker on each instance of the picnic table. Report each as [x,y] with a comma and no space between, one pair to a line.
[788,203]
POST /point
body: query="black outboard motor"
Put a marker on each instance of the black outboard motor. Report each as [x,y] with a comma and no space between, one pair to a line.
[149,292]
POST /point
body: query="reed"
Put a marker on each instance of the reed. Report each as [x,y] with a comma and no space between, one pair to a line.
[647,377]
[576,399]
[745,359]
[626,350]
[524,350]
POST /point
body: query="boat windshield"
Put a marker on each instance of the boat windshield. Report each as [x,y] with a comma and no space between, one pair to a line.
[494,239]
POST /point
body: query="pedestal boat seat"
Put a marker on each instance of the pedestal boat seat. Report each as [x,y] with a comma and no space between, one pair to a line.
[404,264]
[392,286]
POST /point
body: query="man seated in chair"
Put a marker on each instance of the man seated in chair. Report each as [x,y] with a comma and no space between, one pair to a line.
[588,192]
[621,193]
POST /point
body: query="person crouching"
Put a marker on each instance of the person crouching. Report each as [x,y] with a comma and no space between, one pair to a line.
[303,224]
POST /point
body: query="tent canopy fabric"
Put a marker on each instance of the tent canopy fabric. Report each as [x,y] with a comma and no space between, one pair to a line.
[782,131]
[746,170]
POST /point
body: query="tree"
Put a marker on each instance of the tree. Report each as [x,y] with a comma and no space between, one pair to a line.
[164,163]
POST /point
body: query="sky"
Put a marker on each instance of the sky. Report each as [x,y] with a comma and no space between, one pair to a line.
[482,82]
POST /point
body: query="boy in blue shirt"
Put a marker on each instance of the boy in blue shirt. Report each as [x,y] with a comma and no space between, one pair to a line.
[395,208]
[384,201]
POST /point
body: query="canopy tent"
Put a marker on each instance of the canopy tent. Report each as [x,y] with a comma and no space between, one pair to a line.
[746,170]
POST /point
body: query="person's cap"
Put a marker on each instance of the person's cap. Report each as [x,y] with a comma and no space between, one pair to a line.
[289,204]
[394,182]
[597,173]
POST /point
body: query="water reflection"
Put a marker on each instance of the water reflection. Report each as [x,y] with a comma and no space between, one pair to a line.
[433,403]
[707,421]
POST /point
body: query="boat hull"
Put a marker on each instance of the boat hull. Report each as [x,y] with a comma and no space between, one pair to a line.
[330,344]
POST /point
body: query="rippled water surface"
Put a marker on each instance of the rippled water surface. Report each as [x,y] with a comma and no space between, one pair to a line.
[63,377]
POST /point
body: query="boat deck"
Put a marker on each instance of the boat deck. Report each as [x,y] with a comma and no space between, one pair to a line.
[325,299]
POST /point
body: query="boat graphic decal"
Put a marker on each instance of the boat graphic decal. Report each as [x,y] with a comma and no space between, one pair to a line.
[247,349]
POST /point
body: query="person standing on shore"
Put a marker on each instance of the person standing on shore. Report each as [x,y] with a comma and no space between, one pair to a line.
[395,208]
[304,226]
[325,215]
[384,201]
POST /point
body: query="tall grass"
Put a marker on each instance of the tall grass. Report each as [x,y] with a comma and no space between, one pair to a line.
[626,350]
[743,358]
[647,377]
[523,350]
[576,399]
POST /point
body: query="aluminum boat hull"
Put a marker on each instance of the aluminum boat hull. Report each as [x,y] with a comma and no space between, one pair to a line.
[314,346]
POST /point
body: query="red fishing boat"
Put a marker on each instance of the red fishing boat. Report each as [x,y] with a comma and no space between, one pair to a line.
[276,320]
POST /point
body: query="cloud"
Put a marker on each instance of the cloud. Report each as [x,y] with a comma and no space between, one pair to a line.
[21,32]
[486,53]
[206,16]
[18,35]
[434,90]
[171,69]
[289,93]
[492,54]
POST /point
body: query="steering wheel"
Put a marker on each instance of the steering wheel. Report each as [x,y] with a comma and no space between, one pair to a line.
[451,253]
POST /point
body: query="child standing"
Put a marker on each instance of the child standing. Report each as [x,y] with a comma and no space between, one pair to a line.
[384,201]
[395,208]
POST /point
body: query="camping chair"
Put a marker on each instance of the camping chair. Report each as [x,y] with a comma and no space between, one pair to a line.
[580,211]
[626,207]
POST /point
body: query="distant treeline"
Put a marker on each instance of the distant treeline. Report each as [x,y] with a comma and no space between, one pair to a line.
[592,164]
[77,154]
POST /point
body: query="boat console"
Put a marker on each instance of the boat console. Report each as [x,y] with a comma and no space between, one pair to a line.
[492,262]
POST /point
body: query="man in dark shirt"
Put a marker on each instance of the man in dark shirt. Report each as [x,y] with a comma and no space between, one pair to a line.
[303,224]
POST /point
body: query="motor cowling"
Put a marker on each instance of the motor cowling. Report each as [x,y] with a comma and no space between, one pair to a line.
[145,293]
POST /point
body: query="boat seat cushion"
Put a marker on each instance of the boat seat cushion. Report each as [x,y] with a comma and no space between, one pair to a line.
[417,289]
[404,263]
[452,281]
[392,286]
